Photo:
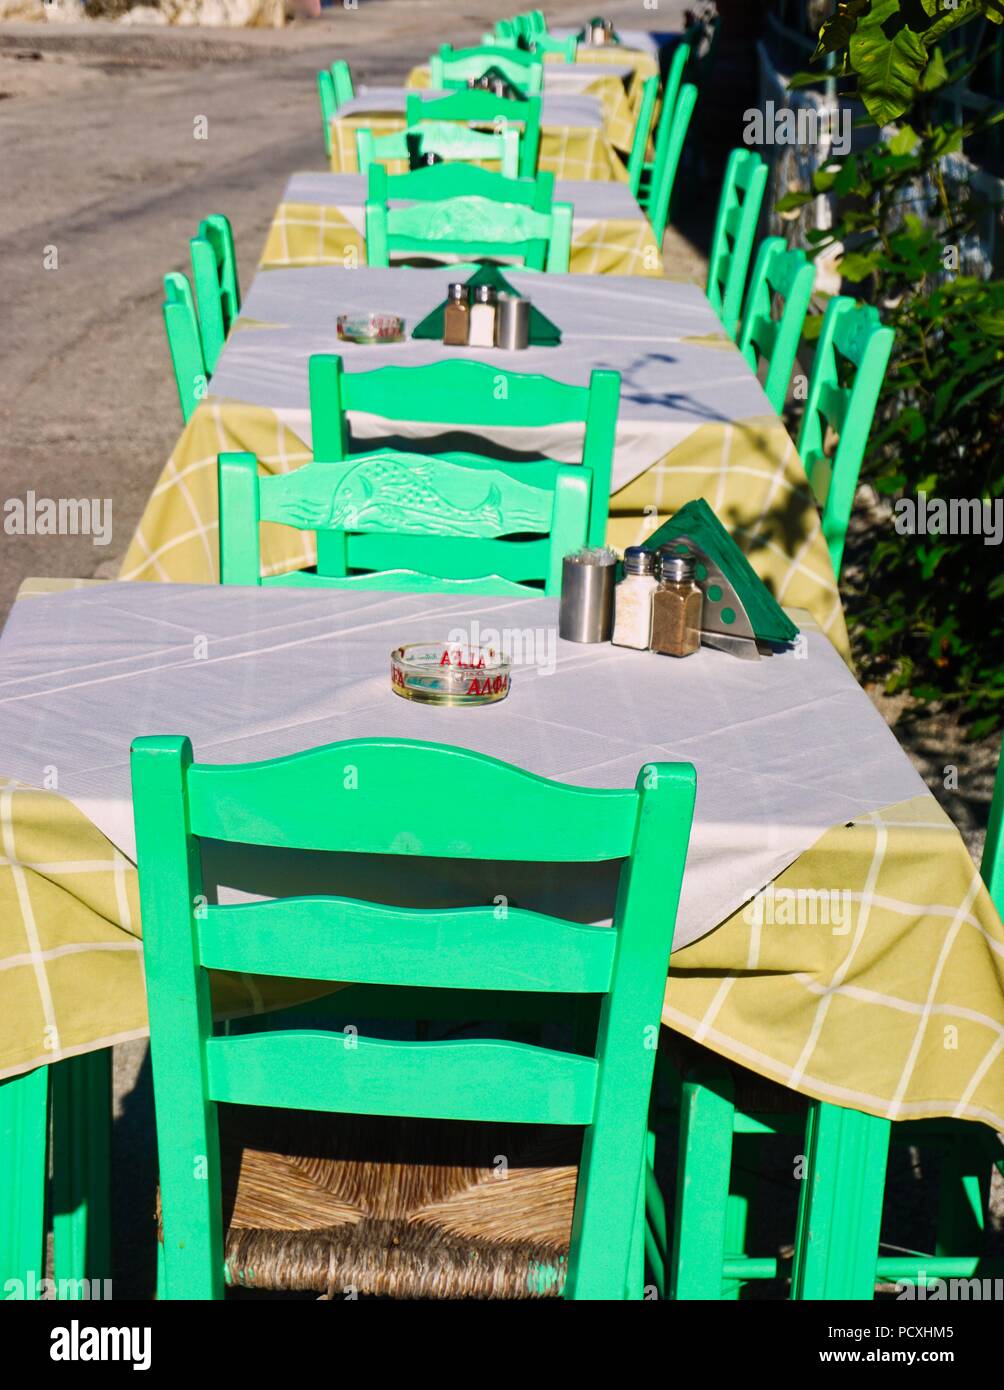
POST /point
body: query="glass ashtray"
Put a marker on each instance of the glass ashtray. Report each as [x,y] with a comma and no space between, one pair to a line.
[449,673]
[370,328]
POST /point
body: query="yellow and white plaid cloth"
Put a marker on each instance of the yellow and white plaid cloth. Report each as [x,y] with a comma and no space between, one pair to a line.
[749,472]
[618,112]
[310,234]
[568,152]
[894,1004]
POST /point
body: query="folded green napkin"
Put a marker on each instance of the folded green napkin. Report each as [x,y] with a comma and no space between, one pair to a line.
[698,521]
[543,332]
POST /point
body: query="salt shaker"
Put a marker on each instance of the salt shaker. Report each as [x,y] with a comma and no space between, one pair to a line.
[457,317]
[482,330]
[677,606]
[633,599]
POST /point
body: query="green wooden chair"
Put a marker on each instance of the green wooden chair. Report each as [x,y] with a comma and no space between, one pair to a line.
[852,354]
[658,175]
[485,109]
[63,1114]
[471,397]
[841,1196]
[184,343]
[472,228]
[445,522]
[437,182]
[416,798]
[642,132]
[454,68]
[334,89]
[567,49]
[735,228]
[214,275]
[510,33]
[786,278]
[446,139]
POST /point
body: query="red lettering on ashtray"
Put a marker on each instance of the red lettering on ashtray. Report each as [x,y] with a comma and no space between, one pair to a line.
[456,658]
[489,686]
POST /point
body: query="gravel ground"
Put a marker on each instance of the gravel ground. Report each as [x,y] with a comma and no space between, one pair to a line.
[97,126]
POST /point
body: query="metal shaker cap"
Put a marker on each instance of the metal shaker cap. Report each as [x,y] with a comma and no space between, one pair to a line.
[485,294]
[457,290]
[638,560]
[674,566]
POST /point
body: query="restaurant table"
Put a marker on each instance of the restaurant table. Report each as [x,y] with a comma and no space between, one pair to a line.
[693,419]
[613,85]
[321,220]
[853,1008]
[574,141]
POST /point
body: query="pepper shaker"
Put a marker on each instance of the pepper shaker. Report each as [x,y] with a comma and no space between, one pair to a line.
[457,317]
[677,606]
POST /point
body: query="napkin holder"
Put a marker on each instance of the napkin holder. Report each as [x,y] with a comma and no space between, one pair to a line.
[740,616]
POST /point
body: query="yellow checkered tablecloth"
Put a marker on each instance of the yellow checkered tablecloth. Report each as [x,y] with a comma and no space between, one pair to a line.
[749,472]
[309,234]
[618,111]
[568,152]
[870,973]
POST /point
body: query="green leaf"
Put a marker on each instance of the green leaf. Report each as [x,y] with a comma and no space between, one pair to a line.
[888,68]
[905,140]
[856,265]
[935,75]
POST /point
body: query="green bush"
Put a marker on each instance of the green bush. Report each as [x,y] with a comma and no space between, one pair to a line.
[927,613]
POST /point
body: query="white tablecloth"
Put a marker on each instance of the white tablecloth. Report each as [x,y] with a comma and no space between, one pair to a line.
[637,326]
[784,748]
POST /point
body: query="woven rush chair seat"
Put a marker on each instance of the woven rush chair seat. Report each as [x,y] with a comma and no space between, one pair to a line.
[402,1208]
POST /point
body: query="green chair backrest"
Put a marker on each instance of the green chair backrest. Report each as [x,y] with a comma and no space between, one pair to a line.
[642,131]
[454,68]
[470,397]
[472,228]
[439,519]
[439,181]
[486,109]
[445,138]
[341,76]
[735,228]
[408,797]
[670,139]
[852,337]
[326,96]
[184,343]
[992,867]
[217,291]
[784,275]
[678,101]
[334,89]
[537,43]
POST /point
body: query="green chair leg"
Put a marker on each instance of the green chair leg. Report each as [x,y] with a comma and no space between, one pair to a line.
[963,1197]
[24,1132]
[656,1227]
[702,1185]
[840,1205]
[736,1219]
[81,1178]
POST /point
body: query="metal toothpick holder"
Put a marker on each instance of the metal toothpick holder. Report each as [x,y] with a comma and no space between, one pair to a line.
[586,613]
